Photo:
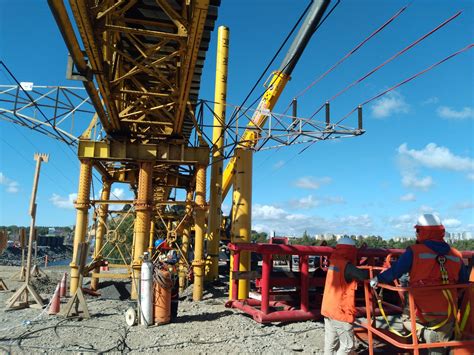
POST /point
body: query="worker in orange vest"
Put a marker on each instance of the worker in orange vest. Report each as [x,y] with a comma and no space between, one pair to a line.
[338,307]
[431,261]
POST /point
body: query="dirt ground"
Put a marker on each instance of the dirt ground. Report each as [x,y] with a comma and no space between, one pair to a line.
[202,327]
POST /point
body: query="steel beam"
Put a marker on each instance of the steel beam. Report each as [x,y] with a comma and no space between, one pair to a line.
[82,214]
[241,212]
[160,153]
[101,229]
[186,236]
[215,201]
[200,212]
[141,230]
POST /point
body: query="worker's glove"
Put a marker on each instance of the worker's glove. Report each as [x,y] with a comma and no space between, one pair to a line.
[374,282]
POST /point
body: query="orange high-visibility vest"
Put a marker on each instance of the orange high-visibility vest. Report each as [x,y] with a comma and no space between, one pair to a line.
[339,296]
[425,271]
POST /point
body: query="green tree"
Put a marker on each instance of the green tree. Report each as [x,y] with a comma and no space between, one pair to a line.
[256,237]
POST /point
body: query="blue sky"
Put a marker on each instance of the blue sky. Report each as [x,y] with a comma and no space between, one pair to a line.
[416,156]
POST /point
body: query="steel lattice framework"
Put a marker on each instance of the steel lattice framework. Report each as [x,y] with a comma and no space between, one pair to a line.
[60,112]
[146,58]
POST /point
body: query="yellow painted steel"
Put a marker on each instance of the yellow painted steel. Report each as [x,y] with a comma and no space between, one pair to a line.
[241,212]
[142,222]
[160,152]
[215,200]
[82,213]
[152,237]
[101,229]
[252,132]
[199,221]
[183,261]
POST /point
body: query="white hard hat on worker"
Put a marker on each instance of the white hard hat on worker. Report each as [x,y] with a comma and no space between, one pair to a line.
[429,227]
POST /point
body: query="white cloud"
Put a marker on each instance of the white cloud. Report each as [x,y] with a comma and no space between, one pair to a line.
[59,201]
[278,164]
[310,201]
[433,156]
[10,185]
[470,176]
[430,100]
[312,183]
[404,222]
[411,180]
[451,223]
[267,218]
[390,104]
[63,202]
[408,197]
[267,212]
[426,209]
[449,113]
[363,221]
[464,205]
[305,202]
[117,193]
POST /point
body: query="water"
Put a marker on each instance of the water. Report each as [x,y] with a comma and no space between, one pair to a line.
[65,262]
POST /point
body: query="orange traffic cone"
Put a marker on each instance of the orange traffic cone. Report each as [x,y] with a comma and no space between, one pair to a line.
[62,288]
[105,266]
[55,302]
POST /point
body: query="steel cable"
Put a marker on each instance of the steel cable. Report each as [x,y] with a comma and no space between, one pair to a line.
[351,52]
[400,84]
[396,55]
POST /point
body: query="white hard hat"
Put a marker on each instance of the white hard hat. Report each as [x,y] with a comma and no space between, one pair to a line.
[427,220]
[346,241]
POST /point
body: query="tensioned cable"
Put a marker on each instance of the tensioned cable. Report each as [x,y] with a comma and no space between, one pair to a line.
[351,52]
[340,61]
[400,84]
[231,121]
[270,63]
[408,80]
[396,55]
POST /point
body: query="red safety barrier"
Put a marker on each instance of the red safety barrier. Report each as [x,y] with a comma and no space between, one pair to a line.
[297,297]
[464,345]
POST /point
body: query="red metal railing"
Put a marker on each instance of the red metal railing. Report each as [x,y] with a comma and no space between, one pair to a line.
[304,305]
[466,344]
[269,308]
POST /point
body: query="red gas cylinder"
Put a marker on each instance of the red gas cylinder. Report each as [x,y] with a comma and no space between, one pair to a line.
[162,297]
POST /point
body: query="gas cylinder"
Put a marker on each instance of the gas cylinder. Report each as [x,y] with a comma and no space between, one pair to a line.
[162,297]
[146,283]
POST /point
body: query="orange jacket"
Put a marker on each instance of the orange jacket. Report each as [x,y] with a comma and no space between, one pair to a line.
[339,296]
[425,271]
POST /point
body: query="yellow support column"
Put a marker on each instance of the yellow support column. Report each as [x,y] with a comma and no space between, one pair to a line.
[241,211]
[200,213]
[142,222]
[82,213]
[215,200]
[101,229]
[183,261]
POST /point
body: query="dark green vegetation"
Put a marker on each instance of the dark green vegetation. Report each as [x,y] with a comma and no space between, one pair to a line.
[373,241]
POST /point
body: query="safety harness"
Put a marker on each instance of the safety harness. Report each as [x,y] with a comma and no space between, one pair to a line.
[452,306]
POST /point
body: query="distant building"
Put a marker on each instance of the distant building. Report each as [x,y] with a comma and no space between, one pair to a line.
[50,240]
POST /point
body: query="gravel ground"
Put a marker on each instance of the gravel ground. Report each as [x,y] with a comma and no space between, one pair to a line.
[202,327]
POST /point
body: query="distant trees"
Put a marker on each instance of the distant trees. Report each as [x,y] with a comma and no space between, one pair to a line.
[14,230]
[257,237]
[376,241]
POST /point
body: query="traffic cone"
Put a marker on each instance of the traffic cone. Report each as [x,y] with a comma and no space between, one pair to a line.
[62,288]
[55,302]
[105,266]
